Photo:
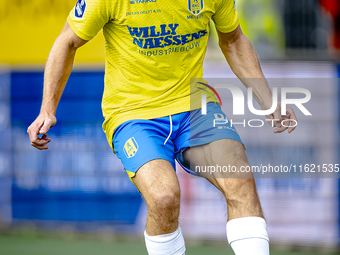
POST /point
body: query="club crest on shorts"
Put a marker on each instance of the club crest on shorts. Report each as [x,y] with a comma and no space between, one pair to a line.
[130,147]
[80,8]
[195,6]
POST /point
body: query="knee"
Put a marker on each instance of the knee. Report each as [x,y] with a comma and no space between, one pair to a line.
[166,202]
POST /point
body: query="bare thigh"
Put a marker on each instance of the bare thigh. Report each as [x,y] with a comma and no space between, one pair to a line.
[158,183]
[238,187]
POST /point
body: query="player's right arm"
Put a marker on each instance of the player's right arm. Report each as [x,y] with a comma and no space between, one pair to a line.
[57,71]
[85,20]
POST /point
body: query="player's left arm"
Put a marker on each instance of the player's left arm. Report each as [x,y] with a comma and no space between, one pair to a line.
[244,62]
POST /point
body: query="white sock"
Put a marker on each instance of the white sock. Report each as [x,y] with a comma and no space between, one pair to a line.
[168,244]
[248,236]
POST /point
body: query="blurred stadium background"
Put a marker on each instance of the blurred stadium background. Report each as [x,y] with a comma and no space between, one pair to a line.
[76,198]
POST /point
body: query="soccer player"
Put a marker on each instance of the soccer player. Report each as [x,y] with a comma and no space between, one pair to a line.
[153,48]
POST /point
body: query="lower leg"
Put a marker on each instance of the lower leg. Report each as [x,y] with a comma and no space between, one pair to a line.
[241,196]
[159,185]
[246,228]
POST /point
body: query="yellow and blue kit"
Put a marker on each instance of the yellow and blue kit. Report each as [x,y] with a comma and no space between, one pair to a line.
[153,48]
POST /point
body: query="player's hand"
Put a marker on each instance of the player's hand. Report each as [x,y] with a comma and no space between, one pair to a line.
[275,119]
[41,126]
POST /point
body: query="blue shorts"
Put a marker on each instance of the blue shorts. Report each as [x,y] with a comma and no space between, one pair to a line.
[139,141]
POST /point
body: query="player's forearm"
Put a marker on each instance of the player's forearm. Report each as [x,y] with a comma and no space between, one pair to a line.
[57,71]
[244,62]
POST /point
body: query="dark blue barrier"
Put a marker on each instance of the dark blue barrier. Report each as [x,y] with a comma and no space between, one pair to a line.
[81,100]
[41,204]
[78,152]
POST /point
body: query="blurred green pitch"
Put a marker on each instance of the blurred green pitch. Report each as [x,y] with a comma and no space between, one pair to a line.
[19,245]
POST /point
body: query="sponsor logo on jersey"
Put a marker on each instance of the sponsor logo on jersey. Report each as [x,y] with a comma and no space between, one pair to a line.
[142,1]
[130,147]
[195,16]
[195,6]
[163,36]
[80,8]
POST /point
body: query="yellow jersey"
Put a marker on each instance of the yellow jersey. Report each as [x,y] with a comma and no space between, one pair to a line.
[152,48]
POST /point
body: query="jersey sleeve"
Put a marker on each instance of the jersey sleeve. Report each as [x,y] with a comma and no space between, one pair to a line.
[88,17]
[226,16]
